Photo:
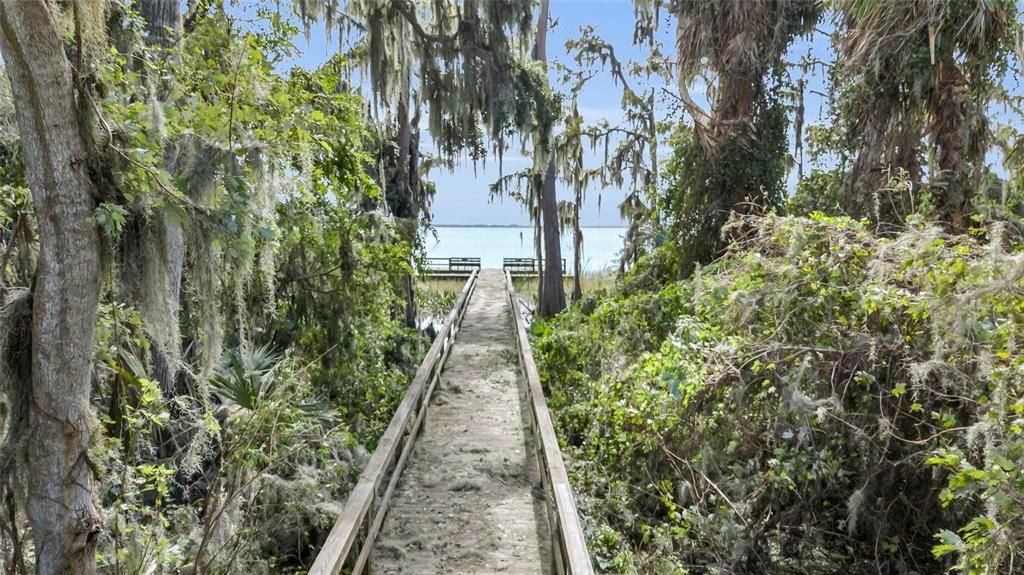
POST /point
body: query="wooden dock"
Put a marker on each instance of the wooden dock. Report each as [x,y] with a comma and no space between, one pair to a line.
[462,267]
[558,545]
[450,268]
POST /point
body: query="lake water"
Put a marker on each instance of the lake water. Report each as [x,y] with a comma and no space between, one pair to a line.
[601,246]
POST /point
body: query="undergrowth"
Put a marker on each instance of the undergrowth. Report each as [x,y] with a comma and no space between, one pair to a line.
[820,400]
[436,297]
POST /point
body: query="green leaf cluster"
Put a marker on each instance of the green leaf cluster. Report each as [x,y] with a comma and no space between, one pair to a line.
[820,399]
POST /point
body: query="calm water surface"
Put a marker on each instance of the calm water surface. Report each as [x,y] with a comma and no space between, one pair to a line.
[601,246]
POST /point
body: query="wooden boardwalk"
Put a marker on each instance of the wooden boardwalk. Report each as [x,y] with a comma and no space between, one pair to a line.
[469,500]
[468,477]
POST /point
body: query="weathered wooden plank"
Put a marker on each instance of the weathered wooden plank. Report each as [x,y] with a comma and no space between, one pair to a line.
[360,503]
[566,528]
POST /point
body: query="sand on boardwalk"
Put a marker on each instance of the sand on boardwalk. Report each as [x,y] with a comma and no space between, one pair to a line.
[469,500]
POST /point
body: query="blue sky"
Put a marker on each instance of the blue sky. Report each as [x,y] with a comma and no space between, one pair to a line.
[463,194]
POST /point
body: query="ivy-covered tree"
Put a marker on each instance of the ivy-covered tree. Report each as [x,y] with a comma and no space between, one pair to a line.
[913,69]
[733,158]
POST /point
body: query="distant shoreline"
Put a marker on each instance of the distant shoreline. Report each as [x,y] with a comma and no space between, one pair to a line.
[516,226]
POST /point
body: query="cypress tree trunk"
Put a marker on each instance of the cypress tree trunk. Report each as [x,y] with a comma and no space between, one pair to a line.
[538,233]
[163,20]
[577,249]
[405,207]
[64,518]
[552,297]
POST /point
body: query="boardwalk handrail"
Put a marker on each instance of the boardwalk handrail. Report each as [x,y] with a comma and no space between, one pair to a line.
[364,510]
[525,265]
[456,264]
[568,545]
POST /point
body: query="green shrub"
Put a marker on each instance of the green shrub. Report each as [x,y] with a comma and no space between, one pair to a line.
[819,399]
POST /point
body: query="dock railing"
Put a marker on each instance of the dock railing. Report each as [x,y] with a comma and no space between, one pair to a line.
[450,265]
[568,544]
[525,266]
[350,541]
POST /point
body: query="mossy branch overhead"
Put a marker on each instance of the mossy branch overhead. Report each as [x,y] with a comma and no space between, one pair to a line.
[468,62]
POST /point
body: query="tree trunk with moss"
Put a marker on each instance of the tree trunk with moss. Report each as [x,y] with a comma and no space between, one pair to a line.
[552,297]
[63,515]
[404,197]
[405,176]
[163,232]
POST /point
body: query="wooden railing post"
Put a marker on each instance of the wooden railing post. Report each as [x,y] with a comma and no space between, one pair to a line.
[368,528]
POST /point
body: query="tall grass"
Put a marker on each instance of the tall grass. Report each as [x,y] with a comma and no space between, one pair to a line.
[436,296]
[590,282]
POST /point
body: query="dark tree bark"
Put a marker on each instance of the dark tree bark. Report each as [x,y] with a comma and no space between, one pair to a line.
[552,297]
[163,21]
[577,249]
[63,515]
[538,233]
[404,196]
[949,127]
[405,176]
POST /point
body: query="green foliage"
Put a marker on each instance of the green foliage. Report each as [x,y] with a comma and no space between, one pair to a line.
[1002,199]
[435,298]
[908,69]
[246,377]
[16,226]
[336,285]
[111,219]
[238,213]
[820,399]
[747,173]
[819,192]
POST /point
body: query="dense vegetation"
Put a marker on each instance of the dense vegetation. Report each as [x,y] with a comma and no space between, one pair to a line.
[208,259]
[819,397]
[250,341]
[830,382]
